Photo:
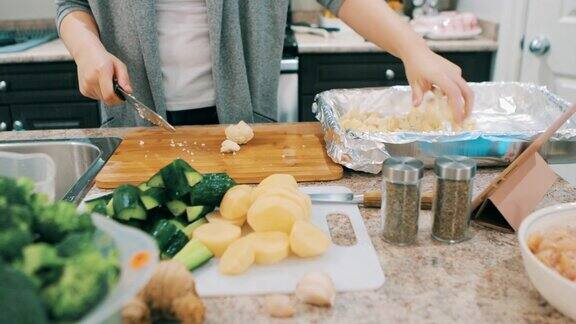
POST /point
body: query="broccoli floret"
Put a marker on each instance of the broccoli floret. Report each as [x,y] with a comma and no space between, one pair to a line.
[16,192]
[15,230]
[41,263]
[84,282]
[56,221]
[20,300]
[76,243]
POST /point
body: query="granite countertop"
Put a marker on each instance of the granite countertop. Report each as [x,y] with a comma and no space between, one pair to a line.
[53,51]
[481,280]
[352,43]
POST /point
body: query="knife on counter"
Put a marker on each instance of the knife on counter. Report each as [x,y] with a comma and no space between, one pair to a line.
[367,199]
[143,110]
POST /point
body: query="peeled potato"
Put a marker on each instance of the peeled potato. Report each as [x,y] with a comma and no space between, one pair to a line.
[270,247]
[236,202]
[288,193]
[215,217]
[239,256]
[280,180]
[273,214]
[306,240]
[217,236]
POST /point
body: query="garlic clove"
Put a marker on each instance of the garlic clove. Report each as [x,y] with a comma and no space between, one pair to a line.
[279,306]
[316,288]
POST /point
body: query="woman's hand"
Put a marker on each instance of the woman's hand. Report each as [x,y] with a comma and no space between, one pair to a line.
[425,68]
[96,71]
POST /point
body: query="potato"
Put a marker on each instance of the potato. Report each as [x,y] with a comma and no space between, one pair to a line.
[239,256]
[280,180]
[215,217]
[306,240]
[270,247]
[273,214]
[286,193]
[236,202]
[217,236]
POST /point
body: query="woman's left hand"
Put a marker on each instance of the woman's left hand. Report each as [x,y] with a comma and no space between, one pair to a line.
[425,68]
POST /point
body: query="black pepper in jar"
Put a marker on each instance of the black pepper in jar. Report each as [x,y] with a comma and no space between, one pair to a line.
[453,198]
[401,199]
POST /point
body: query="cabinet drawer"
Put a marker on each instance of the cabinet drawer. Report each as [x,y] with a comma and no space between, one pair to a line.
[57,115]
[5,118]
[324,72]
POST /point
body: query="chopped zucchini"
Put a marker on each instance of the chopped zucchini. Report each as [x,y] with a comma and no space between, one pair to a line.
[169,236]
[192,176]
[110,208]
[176,177]
[194,254]
[156,181]
[126,203]
[143,186]
[189,229]
[176,244]
[176,207]
[98,205]
[153,197]
[195,212]
[211,189]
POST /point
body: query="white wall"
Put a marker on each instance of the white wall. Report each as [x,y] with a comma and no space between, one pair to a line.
[492,10]
[26,9]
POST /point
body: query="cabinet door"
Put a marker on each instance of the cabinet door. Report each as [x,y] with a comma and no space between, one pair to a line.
[57,116]
[5,118]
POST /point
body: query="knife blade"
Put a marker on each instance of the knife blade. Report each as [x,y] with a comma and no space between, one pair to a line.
[368,199]
[143,110]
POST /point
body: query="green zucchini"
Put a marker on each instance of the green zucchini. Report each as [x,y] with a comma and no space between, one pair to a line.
[176,207]
[192,176]
[194,254]
[195,212]
[153,197]
[126,203]
[143,186]
[156,181]
[211,189]
[189,229]
[98,205]
[169,236]
[110,208]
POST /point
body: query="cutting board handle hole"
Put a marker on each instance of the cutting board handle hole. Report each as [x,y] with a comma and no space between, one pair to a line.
[341,230]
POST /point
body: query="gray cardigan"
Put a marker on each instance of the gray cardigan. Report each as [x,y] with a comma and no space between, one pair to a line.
[246,37]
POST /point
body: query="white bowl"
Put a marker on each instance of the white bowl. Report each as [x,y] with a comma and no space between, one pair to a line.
[557,290]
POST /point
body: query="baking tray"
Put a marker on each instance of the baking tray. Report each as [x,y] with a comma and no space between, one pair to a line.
[508,117]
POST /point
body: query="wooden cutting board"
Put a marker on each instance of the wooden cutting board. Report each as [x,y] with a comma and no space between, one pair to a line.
[296,149]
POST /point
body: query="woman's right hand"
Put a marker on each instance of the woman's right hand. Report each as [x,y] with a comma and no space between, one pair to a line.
[96,71]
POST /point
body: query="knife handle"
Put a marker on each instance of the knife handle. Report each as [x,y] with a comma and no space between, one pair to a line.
[118,90]
[374,199]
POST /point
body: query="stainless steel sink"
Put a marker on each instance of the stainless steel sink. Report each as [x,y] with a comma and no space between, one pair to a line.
[77,161]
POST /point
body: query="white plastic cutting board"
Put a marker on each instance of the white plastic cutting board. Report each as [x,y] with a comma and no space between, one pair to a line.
[351,268]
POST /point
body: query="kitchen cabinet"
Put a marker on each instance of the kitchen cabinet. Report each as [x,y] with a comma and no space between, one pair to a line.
[325,71]
[44,96]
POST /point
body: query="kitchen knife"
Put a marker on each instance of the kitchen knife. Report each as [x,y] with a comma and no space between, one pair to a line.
[368,199]
[143,111]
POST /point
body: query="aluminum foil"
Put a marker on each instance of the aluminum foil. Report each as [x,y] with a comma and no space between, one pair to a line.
[507,116]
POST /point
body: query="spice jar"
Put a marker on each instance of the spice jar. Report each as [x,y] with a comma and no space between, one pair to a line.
[401,178]
[453,198]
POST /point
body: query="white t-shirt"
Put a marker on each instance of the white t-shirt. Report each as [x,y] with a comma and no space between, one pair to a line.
[185,54]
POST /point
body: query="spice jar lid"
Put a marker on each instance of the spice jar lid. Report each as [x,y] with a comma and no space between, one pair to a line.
[455,167]
[403,170]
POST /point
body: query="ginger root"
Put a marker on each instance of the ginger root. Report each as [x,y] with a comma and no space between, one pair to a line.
[171,292]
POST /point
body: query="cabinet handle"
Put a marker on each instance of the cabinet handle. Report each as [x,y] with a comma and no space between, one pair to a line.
[390,74]
[18,126]
[3,126]
[3,86]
